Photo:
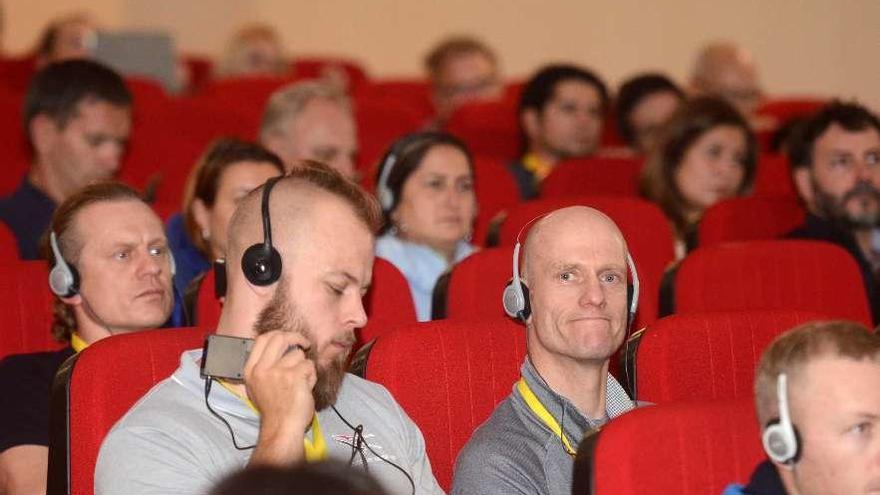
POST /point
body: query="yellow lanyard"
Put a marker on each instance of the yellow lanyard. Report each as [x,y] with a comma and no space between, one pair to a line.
[543,414]
[77,342]
[539,168]
[316,449]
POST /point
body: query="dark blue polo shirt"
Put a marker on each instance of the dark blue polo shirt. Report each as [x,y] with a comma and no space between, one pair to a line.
[27,213]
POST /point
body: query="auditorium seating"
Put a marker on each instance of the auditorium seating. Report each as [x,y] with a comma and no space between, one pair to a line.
[380,122]
[643,225]
[448,376]
[773,177]
[8,245]
[707,355]
[749,218]
[496,191]
[787,274]
[489,128]
[208,307]
[388,302]
[26,312]
[96,388]
[784,109]
[14,147]
[683,448]
[472,289]
[601,176]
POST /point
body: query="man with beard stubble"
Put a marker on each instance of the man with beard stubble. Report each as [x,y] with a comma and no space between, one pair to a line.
[296,403]
[835,159]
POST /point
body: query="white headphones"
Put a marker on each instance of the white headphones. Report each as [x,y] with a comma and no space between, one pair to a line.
[383,192]
[515,297]
[780,438]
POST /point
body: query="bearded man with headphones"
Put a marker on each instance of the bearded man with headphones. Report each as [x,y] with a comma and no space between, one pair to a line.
[572,290]
[300,258]
[111,272]
[817,392]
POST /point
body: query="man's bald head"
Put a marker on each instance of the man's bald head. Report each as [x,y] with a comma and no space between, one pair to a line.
[727,70]
[298,199]
[571,221]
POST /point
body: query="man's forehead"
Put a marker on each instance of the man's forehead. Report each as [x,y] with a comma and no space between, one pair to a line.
[107,222]
[576,233]
[836,137]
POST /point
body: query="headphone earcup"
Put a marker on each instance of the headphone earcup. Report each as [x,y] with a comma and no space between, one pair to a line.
[780,443]
[261,265]
[64,280]
[630,311]
[516,300]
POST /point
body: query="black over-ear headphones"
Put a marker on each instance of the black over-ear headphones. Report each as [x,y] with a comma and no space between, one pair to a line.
[515,298]
[261,263]
[780,437]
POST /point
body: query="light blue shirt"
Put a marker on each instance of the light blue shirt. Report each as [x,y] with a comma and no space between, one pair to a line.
[421,266]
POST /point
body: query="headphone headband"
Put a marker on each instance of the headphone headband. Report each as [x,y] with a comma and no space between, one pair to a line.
[780,438]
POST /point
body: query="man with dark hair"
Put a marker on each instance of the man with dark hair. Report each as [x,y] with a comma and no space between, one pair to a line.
[461,69]
[817,398]
[644,103]
[835,158]
[300,299]
[77,116]
[561,112]
[115,245]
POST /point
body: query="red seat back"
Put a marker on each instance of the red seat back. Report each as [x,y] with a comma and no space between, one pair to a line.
[208,307]
[496,192]
[687,447]
[593,176]
[415,94]
[14,147]
[645,228]
[477,282]
[708,355]
[784,109]
[26,312]
[380,122]
[802,275]
[8,245]
[489,128]
[773,177]
[448,376]
[749,218]
[102,383]
[389,301]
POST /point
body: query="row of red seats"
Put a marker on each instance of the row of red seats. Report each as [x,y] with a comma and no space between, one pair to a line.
[449,375]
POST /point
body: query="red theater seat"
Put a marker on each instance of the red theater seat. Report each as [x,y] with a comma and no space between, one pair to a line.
[93,390]
[749,218]
[773,177]
[208,307]
[682,448]
[707,355]
[473,288]
[496,192]
[645,228]
[388,302]
[787,274]
[26,311]
[600,176]
[414,94]
[8,245]
[448,376]
[14,147]
[784,109]
[380,122]
[489,128]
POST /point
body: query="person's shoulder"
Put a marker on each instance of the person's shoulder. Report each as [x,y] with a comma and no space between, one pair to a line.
[18,367]
[370,394]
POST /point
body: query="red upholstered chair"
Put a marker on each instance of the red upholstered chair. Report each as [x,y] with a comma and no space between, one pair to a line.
[415,94]
[682,447]
[473,288]
[707,355]
[96,388]
[773,177]
[200,69]
[448,376]
[8,245]
[496,192]
[788,274]
[489,128]
[644,227]
[750,218]
[14,147]
[380,122]
[26,312]
[593,176]
[783,109]
[208,307]
[388,302]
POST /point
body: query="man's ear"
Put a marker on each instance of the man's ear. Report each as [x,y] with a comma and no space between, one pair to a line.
[803,182]
[531,123]
[74,300]
[43,133]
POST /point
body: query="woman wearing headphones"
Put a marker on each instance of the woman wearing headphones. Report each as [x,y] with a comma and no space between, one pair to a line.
[426,189]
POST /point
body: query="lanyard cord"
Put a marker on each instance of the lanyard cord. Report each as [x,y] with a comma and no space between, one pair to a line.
[544,415]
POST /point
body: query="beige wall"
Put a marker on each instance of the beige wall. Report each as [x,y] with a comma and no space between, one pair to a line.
[827,47]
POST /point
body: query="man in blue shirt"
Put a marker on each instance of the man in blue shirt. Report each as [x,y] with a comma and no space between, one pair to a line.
[77,116]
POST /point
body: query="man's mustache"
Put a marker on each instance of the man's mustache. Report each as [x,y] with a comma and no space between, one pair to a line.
[862,188]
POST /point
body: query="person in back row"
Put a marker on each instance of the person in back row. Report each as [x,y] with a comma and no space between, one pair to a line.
[644,104]
[705,153]
[572,291]
[77,115]
[561,112]
[817,394]
[228,170]
[835,159]
[311,120]
[425,186]
[299,260]
[111,274]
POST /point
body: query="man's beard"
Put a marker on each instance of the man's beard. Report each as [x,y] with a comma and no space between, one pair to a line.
[835,209]
[280,314]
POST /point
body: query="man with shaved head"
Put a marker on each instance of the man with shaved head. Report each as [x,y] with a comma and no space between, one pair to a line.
[728,71]
[295,402]
[574,273]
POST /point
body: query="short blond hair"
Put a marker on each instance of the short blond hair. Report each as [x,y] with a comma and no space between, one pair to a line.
[792,351]
[290,101]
